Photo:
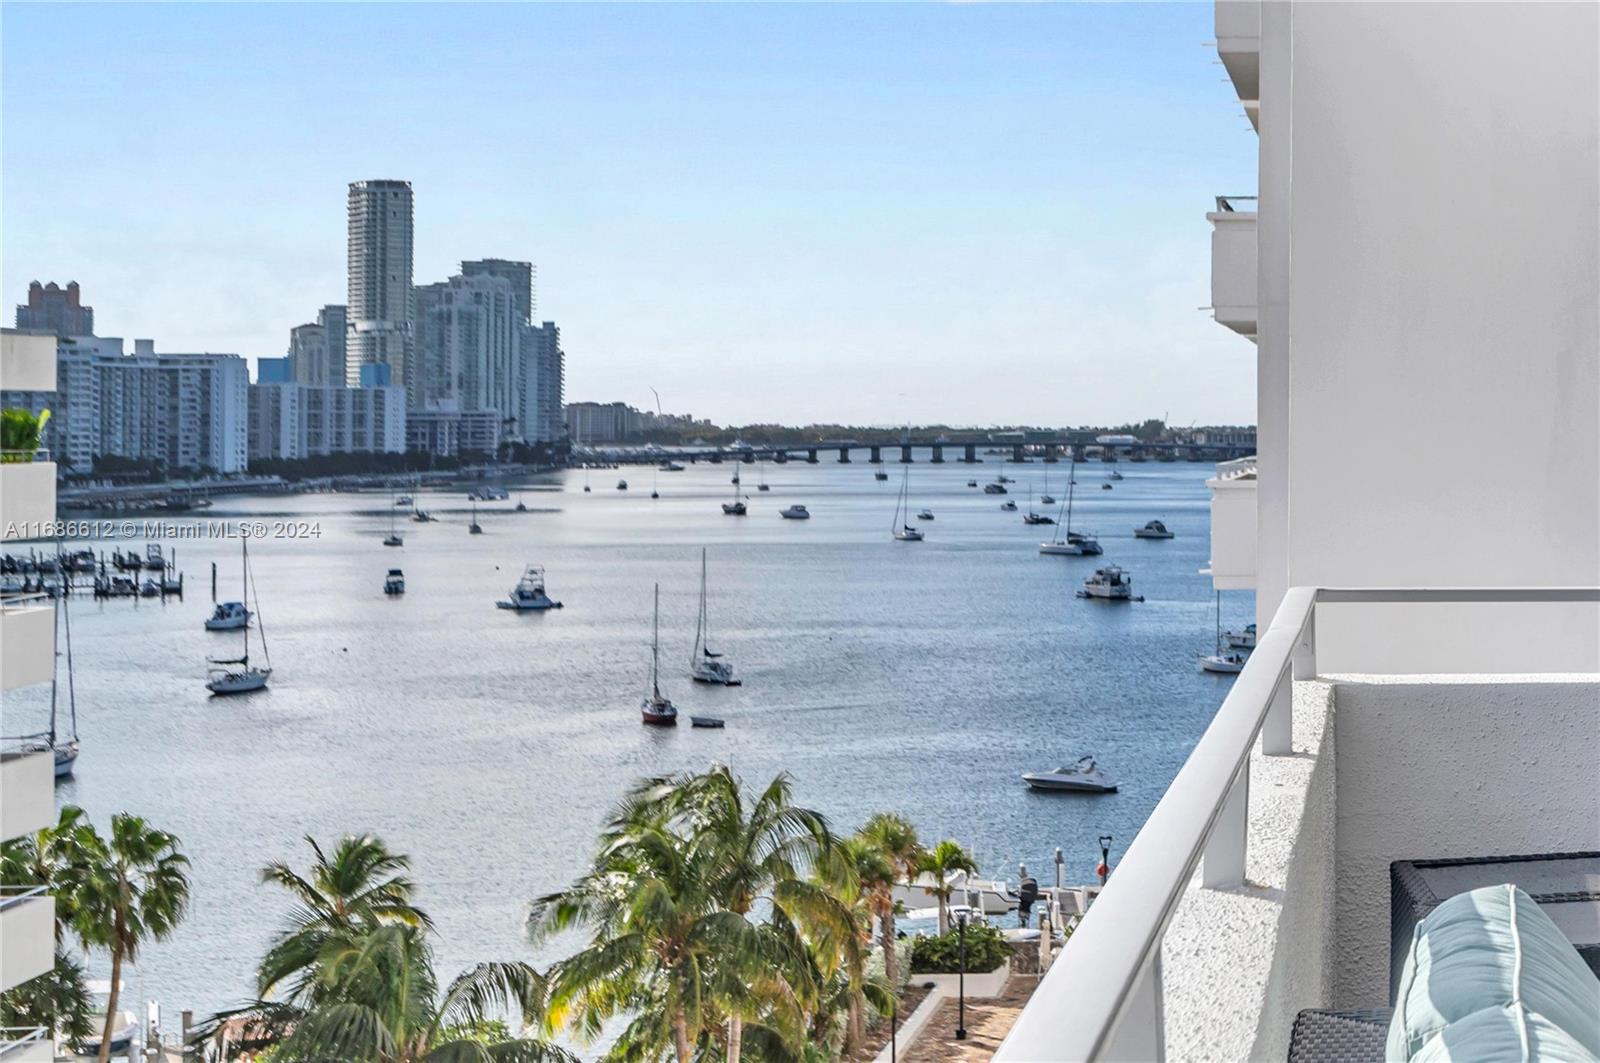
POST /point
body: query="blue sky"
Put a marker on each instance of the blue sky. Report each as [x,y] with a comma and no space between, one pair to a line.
[870,214]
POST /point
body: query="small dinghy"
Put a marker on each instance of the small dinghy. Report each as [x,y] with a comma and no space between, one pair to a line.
[1084,777]
[705,721]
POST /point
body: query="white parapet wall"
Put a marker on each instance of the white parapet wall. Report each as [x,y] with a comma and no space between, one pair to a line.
[1437,766]
[1240,963]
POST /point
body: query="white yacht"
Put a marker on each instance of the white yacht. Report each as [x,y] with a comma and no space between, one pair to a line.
[228,616]
[529,593]
[394,582]
[1009,506]
[1110,583]
[706,666]
[795,512]
[1153,529]
[656,710]
[996,488]
[1242,640]
[903,531]
[1113,475]
[1083,777]
[236,675]
[1227,663]
[123,1029]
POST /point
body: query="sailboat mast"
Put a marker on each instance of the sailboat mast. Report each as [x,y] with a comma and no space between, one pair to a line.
[244,592]
[72,691]
[655,647]
[55,667]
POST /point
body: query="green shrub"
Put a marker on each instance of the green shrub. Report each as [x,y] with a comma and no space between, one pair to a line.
[20,432]
[986,950]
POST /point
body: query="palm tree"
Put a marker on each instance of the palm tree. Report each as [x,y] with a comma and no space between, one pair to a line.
[762,848]
[864,878]
[361,886]
[125,890]
[658,938]
[895,837]
[943,861]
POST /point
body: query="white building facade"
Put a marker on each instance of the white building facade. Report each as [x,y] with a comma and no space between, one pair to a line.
[317,350]
[289,421]
[188,411]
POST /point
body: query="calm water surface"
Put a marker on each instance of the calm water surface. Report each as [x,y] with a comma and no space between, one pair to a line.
[918,677]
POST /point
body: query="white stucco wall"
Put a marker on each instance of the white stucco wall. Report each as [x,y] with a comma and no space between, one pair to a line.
[1448,766]
[1239,964]
[1440,346]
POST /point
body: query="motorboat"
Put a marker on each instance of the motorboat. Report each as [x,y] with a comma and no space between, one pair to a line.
[706,666]
[994,488]
[903,531]
[1226,663]
[394,582]
[1084,777]
[228,616]
[149,589]
[967,893]
[529,593]
[404,500]
[1003,478]
[488,494]
[972,483]
[1105,487]
[622,485]
[656,710]
[925,514]
[1009,506]
[879,474]
[795,512]
[1110,583]
[153,559]
[671,466]
[707,721]
[1153,529]
[124,1027]
[1242,640]
[422,516]
[236,675]
[1113,475]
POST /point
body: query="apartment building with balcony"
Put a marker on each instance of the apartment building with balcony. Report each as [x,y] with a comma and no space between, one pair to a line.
[27,654]
[1420,276]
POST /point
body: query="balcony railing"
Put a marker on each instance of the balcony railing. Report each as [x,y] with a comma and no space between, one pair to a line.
[1103,996]
[1233,470]
[1237,204]
[25,1042]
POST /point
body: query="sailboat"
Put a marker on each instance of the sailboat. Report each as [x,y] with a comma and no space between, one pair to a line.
[394,536]
[222,676]
[1045,498]
[474,528]
[736,508]
[761,478]
[1035,518]
[655,709]
[1066,541]
[654,474]
[64,748]
[1225,661]
[521,506]
[903,531]
[704,665]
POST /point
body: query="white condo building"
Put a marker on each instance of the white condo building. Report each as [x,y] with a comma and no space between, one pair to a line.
[317,349]
[1421,278]
[379,264]
[302,421]
[27,658]
[186,410]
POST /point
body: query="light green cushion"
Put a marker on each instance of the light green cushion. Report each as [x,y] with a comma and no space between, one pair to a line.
[1502,1035]
[1493,950]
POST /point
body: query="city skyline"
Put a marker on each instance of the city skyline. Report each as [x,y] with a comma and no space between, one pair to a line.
[740,209]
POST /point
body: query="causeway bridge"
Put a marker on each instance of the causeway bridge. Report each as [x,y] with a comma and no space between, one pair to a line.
[1048,448]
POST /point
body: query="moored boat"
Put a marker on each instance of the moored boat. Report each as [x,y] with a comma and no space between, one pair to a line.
[1083,777]
[1110,584]
[795,512]
[1152,529]
[529,593]
[656,710]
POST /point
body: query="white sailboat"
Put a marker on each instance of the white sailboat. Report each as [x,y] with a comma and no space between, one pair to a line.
[903,531]
[394,536]
[761,477]
[706,666]
[236,675]
[1067,542]
[1222,660]
[62,747]
[1045,498]
[656,710]
[474,528]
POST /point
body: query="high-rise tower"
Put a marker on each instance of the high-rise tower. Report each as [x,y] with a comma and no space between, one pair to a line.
[379,298]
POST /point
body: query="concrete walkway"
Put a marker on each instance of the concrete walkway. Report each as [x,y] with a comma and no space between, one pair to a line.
[988,1022]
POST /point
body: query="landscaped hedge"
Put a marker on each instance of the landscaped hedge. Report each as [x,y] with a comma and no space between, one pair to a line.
[986,950]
